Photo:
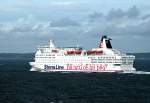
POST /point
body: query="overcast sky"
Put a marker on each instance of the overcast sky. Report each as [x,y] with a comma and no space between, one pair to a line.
[24,24]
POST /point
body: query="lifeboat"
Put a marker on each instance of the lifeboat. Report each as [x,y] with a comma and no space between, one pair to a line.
[70,52]
[78,52]
[94,52]
[74,52]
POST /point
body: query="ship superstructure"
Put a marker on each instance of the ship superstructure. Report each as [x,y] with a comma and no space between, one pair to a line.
[50,58]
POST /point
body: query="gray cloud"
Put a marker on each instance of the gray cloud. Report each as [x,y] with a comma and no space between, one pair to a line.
[64,23]
[115,14]
[140,30]
[133,12]
[147,16]
[95,16]
[117,23]
[130,27]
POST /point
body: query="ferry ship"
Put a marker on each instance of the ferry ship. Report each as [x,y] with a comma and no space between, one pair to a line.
[49,58]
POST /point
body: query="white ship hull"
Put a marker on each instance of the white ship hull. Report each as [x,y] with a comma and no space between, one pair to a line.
[87,65]
[102,59]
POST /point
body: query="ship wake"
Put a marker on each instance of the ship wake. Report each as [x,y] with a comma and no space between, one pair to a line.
[138,72]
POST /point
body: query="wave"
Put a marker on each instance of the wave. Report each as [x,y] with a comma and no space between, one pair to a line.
[138,72]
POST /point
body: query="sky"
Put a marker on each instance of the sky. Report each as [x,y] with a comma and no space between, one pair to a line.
[24,24]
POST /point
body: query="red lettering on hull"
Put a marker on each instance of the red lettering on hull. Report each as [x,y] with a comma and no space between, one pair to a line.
[87,67]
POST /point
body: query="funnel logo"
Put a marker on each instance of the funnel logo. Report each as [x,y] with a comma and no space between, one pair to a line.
[101,45]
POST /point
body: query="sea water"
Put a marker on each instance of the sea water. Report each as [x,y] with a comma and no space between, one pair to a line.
[19,85]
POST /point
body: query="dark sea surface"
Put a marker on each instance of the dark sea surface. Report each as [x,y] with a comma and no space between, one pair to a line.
[19,85]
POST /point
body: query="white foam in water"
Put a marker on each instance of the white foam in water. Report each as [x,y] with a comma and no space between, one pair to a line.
[138,72]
